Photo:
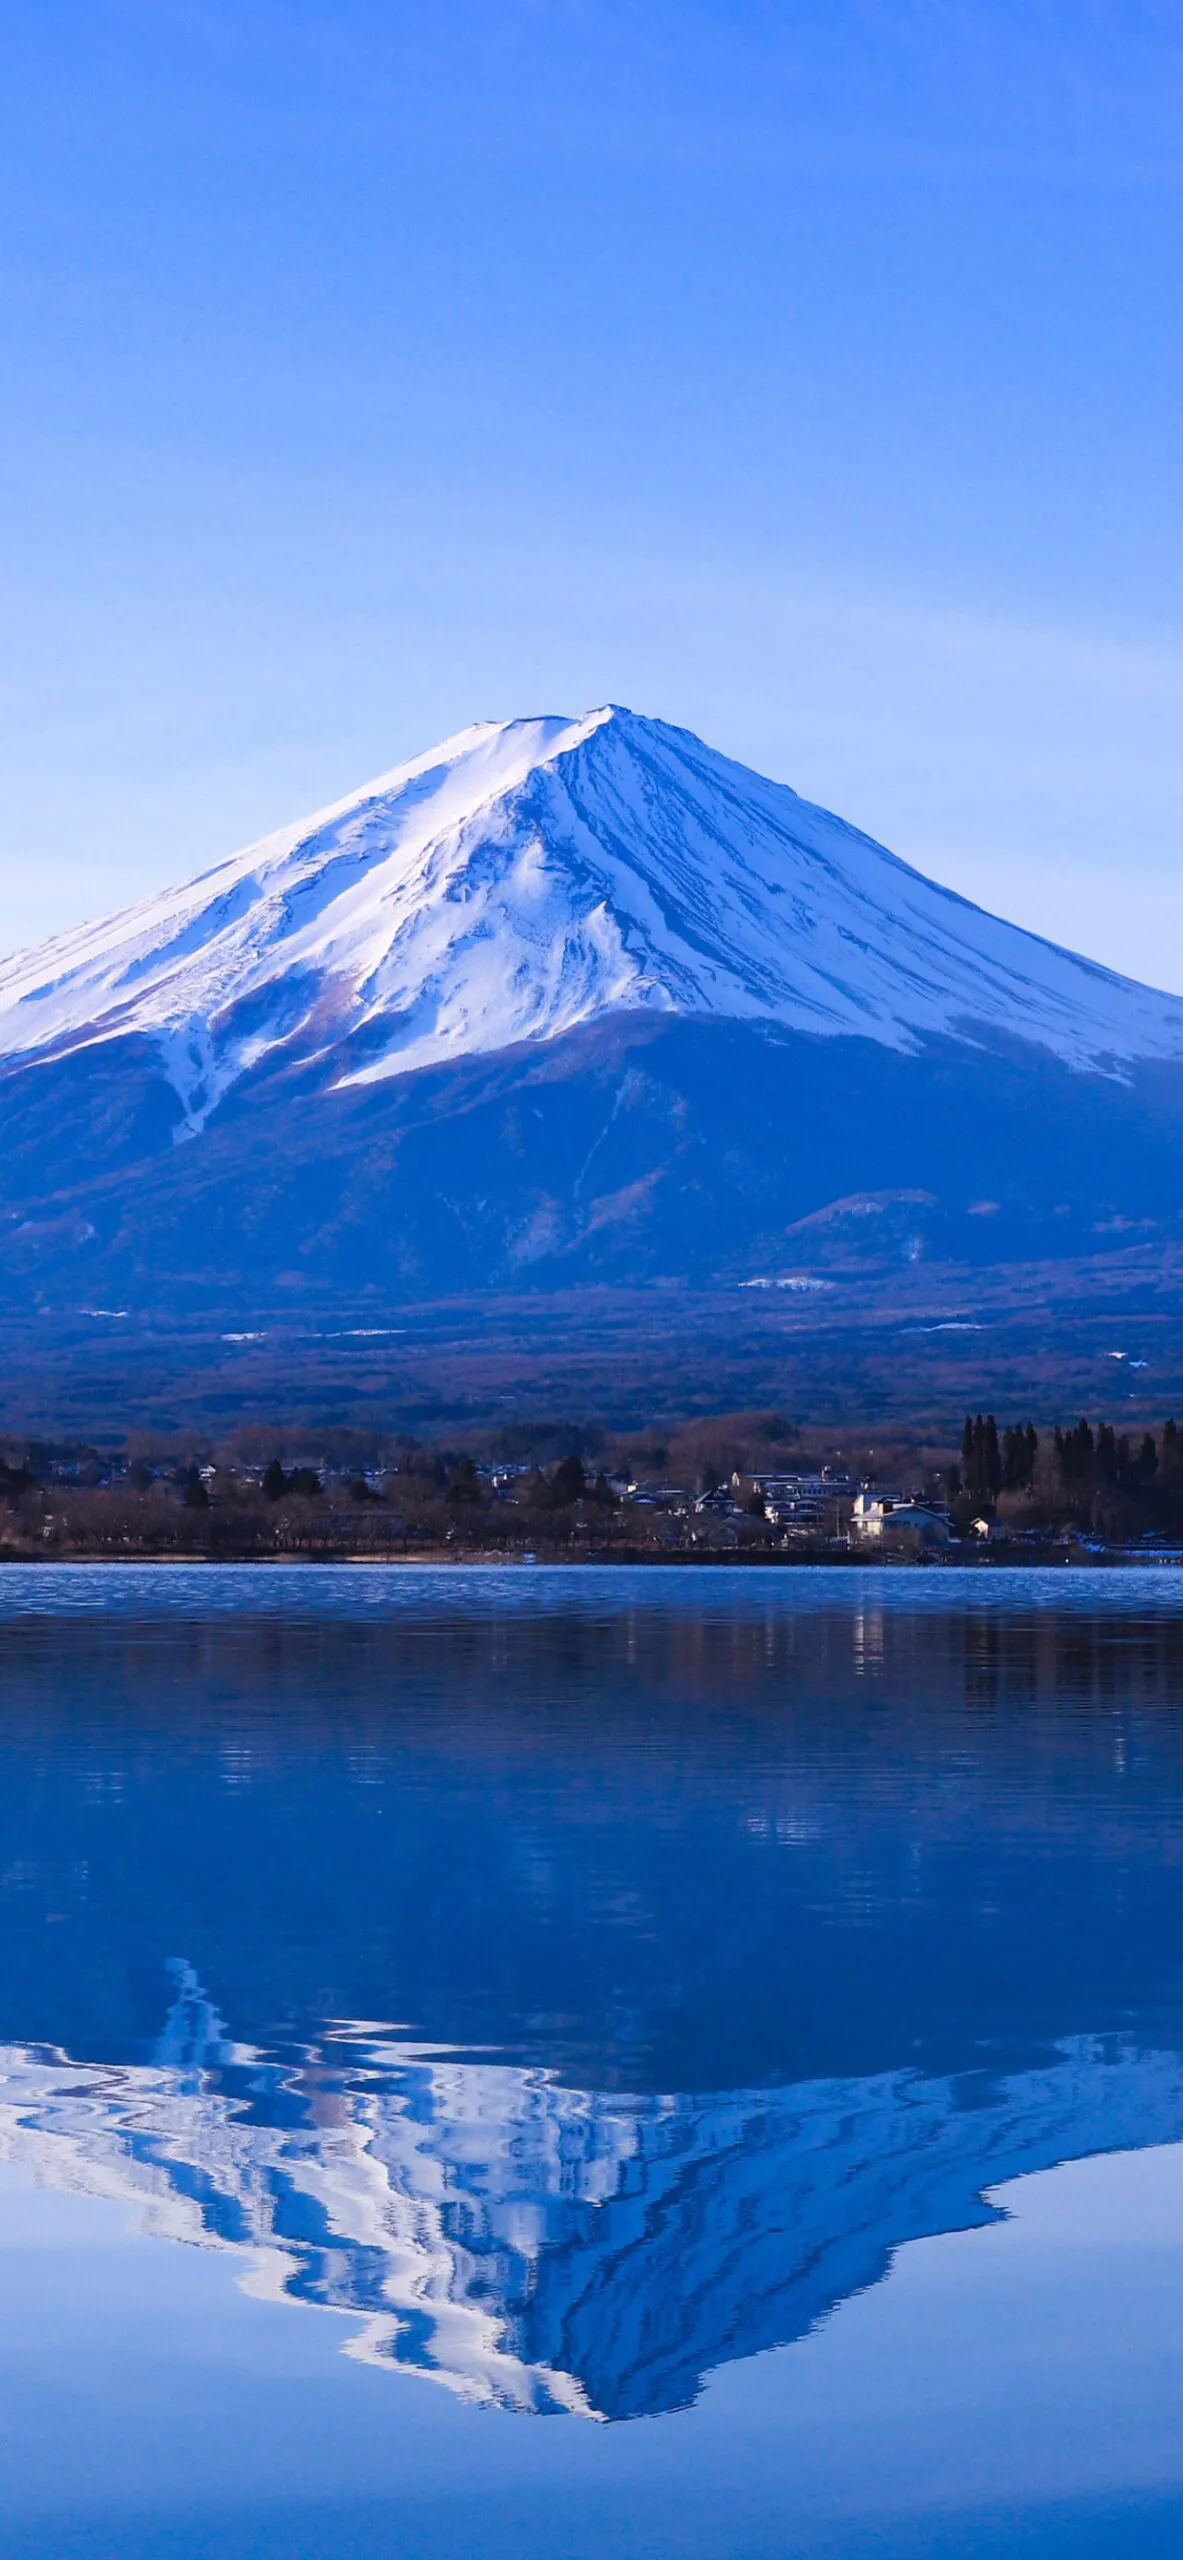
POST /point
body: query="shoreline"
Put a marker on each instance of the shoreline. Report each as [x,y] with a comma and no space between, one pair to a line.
[998,1559]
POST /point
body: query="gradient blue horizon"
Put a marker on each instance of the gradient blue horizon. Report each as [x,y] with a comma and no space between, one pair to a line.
[806,374]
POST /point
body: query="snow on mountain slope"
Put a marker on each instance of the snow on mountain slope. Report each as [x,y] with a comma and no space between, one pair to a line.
[524,878]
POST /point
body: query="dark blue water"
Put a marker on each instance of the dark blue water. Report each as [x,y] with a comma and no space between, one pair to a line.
[663,2063]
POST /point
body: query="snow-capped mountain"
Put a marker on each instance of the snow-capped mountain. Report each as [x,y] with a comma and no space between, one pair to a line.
[565,1001]
[525,879]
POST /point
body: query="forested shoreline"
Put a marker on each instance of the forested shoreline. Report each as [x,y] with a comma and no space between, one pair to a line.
[747,1487]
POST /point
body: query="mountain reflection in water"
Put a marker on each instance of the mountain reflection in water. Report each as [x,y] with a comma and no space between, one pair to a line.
[733,1936]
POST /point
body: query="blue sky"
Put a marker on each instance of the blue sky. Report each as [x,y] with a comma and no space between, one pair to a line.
[806,373]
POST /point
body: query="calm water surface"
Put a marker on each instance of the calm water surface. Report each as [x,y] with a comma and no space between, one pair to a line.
[555,2064]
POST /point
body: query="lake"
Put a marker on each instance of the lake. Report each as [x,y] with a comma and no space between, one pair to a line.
[558,2063]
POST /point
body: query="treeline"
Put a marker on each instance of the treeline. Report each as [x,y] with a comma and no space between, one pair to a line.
[994,1463]
[1094,1476]
[433,1502]
[456,1481]
[343,1494]
[1105,1457]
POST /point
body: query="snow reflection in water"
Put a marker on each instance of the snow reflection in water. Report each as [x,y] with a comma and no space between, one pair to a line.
[544,2248]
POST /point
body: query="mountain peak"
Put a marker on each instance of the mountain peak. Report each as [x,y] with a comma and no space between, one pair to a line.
[527,876]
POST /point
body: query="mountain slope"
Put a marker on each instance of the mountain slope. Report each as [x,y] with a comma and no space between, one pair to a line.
[567,1002]
[523,880]
[632,1149]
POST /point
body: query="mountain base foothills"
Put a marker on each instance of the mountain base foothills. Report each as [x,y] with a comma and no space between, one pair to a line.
[742,1424]
[573,1070]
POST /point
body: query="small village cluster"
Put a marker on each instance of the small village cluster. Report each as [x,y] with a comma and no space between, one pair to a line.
[1009,1496]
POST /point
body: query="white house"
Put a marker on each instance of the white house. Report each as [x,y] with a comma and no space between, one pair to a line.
[887,1516]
